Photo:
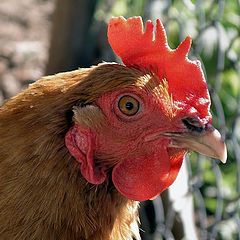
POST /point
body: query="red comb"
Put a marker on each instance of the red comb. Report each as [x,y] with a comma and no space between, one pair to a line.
[149,49]
[132,44]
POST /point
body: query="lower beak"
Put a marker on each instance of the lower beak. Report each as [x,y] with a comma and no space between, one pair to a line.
[208,143]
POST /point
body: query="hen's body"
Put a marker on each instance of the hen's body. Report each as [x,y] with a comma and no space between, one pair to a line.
[43,194]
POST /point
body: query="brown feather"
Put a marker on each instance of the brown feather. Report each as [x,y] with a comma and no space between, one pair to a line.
[43,194]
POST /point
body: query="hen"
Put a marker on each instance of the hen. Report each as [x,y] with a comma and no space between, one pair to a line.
[79,149]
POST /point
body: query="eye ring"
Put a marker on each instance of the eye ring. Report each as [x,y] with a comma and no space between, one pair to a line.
[128,105]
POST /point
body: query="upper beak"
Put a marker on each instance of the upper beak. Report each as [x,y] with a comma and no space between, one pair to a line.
[208,143]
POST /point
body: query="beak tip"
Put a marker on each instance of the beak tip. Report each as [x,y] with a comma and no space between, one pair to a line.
[218,145]
[223,157]
[223,160]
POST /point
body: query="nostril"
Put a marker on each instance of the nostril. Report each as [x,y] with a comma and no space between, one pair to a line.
[193,124]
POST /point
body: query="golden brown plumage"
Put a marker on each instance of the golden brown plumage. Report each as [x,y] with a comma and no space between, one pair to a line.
[43,195]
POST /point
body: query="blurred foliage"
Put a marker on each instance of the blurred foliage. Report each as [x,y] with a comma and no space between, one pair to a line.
[126,8]
[215,29]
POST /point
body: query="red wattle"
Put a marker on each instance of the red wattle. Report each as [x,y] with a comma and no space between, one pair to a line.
[143,178]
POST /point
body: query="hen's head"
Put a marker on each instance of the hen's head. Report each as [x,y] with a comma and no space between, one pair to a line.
[137,134]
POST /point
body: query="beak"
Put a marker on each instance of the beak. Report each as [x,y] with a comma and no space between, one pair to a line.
[208,143]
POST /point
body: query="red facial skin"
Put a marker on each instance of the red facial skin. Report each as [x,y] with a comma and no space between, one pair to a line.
[143,168]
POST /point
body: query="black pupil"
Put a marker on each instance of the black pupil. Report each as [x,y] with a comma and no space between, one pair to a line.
[129,106]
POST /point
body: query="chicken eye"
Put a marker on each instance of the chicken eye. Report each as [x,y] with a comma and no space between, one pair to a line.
[128,105]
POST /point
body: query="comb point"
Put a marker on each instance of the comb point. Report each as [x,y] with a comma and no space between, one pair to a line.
[161,36]
[149,30]
[135,21]
[184,47]
[116,21]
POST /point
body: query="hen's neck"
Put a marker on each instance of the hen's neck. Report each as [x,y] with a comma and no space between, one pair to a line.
[45,197]
[103,213]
